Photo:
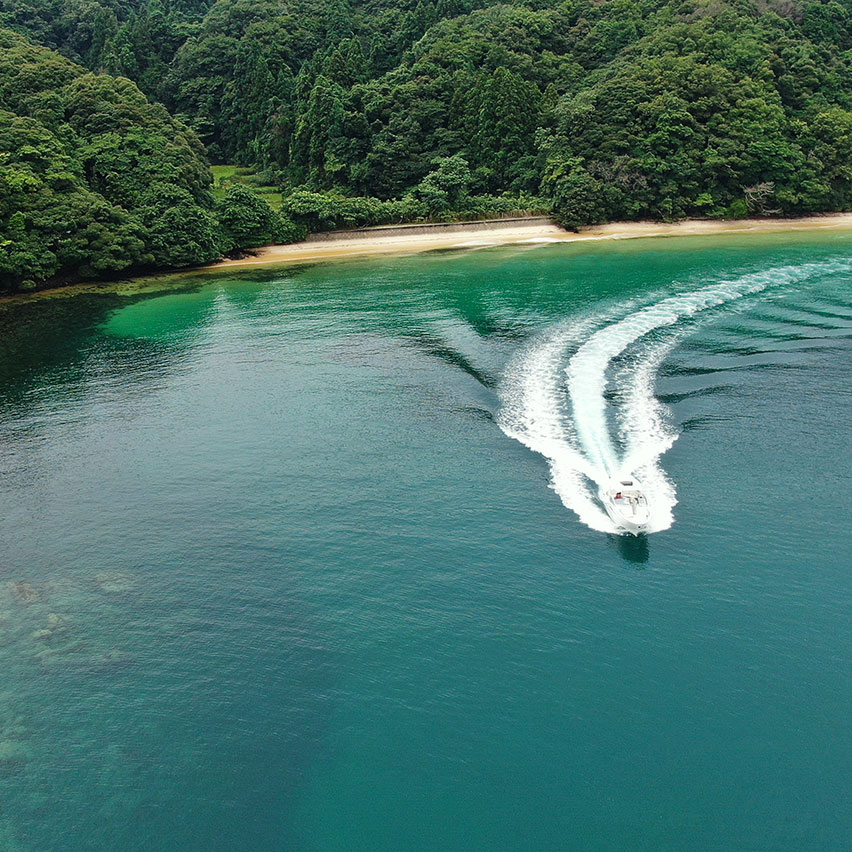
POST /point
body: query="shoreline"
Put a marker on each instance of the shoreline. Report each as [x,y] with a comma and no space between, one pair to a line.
[399,240]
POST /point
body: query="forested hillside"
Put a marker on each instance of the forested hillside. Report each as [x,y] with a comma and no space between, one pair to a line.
[372,110]
[95,179]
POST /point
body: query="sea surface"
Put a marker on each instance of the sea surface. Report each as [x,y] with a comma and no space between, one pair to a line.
[310,559]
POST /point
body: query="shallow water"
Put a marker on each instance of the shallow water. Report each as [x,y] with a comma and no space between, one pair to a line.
[310,559]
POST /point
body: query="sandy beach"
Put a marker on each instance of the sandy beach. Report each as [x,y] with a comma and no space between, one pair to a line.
[411,239]
[476,235]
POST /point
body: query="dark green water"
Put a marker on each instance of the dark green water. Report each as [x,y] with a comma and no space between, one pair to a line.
[311,561]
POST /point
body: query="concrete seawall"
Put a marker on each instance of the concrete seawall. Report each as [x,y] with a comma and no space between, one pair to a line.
[435,228]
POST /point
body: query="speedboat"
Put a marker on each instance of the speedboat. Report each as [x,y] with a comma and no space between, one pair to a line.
[626,504]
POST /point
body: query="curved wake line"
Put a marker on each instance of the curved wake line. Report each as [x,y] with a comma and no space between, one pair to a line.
[554,399]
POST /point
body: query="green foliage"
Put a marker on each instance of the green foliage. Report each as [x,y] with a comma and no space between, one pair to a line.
[80,158]
[723,114]
[675,107]
[324,211]
[506,117]
[178,231]
[261,183]
[446,186]
[407,110]
[248,221]
[737,209]
[50,221]
[578,197]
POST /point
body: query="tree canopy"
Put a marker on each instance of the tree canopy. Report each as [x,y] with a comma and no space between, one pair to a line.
[94,178]
[80,158]
[373,110]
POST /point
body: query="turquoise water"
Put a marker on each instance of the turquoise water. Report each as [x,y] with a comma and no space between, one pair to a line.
[311,560]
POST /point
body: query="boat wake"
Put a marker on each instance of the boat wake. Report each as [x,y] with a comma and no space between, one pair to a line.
[582,394]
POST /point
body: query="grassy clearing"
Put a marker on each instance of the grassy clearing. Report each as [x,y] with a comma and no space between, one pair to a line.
[223,175]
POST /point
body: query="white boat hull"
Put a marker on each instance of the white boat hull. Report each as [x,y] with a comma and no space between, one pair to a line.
[628,525]
[627,506]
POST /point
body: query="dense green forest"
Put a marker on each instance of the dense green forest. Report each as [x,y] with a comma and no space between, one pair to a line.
[368,111]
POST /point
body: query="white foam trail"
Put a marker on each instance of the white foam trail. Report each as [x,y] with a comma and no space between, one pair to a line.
[646,432]
[560,410]
[535,412]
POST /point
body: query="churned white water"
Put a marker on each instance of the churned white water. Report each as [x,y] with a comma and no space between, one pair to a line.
[582,393]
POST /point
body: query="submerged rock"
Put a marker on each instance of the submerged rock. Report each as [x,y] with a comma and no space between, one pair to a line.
[13,729]
[57,626]
[12,753]
[24,593]
[115,582]
[110,661]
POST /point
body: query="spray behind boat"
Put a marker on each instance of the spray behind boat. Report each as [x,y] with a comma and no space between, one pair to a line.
[582,382]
